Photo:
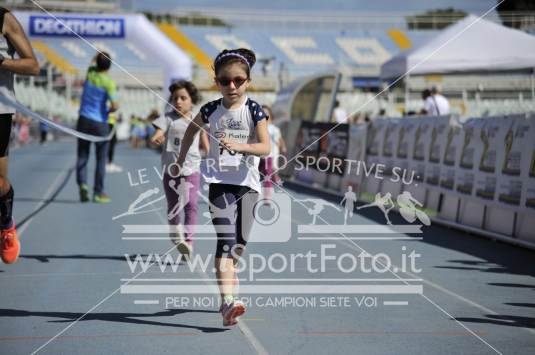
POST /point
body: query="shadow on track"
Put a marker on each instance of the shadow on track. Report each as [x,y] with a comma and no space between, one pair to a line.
[506,320]
[132,318]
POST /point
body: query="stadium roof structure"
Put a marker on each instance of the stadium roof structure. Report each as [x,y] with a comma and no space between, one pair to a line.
[470,45]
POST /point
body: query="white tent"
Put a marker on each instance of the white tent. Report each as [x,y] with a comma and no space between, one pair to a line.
[482,46]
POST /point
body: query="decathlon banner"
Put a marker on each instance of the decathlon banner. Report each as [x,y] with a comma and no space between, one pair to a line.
[84,26]
[134,29]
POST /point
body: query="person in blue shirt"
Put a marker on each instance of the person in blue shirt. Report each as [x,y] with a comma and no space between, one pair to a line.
[99,99]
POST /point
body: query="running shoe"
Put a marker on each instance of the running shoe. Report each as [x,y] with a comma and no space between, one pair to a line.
[10,247]
[84,193]
[185,248]
[101,198]
[231,312]
[177,236]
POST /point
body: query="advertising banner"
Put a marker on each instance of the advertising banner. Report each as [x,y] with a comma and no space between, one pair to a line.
[513,168]
[491,153]
[451,155]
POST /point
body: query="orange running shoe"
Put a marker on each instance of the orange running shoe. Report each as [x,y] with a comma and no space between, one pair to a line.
[10,248]
[231,312]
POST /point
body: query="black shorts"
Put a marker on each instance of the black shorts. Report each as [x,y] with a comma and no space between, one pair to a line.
[226,208]
[6,120]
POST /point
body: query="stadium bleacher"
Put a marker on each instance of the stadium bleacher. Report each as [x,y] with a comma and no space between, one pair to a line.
[305,52]
[284,53]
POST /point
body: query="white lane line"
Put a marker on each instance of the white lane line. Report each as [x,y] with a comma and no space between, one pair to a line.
[395,303]
[357,247]
[465,300]
[245,330]
[89,311]
[146,301]
[252,339]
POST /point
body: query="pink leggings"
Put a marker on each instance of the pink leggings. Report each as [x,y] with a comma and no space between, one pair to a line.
[190,208]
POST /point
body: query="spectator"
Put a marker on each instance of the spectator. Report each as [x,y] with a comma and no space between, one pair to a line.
[339,114]
[99,99]
[436,104]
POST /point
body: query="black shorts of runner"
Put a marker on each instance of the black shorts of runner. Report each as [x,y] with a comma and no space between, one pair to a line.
[6,120]
[227,210]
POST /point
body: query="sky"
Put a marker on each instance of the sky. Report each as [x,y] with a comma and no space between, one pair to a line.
[477,7]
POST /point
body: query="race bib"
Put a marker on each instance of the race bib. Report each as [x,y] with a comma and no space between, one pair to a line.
[173,141]
[227,158]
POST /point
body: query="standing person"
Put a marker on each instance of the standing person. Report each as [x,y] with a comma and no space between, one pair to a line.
[240,126]
[12,41]
[270,163]
[339,114]
[435,103]
[43,130]
[99,90]
[180,189]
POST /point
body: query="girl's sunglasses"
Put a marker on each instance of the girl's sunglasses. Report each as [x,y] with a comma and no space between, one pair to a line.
[226,82]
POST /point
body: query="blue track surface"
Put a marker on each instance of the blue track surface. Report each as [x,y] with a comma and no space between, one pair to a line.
[478,295]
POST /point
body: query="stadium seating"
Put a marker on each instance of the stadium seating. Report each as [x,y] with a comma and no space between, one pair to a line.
[303,52]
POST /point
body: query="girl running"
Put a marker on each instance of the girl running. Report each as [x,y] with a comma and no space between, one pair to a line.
[180,187]
[239,125]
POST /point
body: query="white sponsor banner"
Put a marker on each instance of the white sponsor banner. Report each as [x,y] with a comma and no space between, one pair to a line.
[405,142]
[514,135]
[420,149]
[451,155]
[390,143]
[468,161]
[356,152]
[437,142]
[375,138]
[487,162]
[527,200]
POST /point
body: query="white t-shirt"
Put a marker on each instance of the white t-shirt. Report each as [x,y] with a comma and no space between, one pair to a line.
[174,127]
[437,105]
[239,124]
[340,115]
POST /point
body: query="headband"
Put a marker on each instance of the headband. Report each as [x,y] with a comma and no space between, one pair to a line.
[233,54]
